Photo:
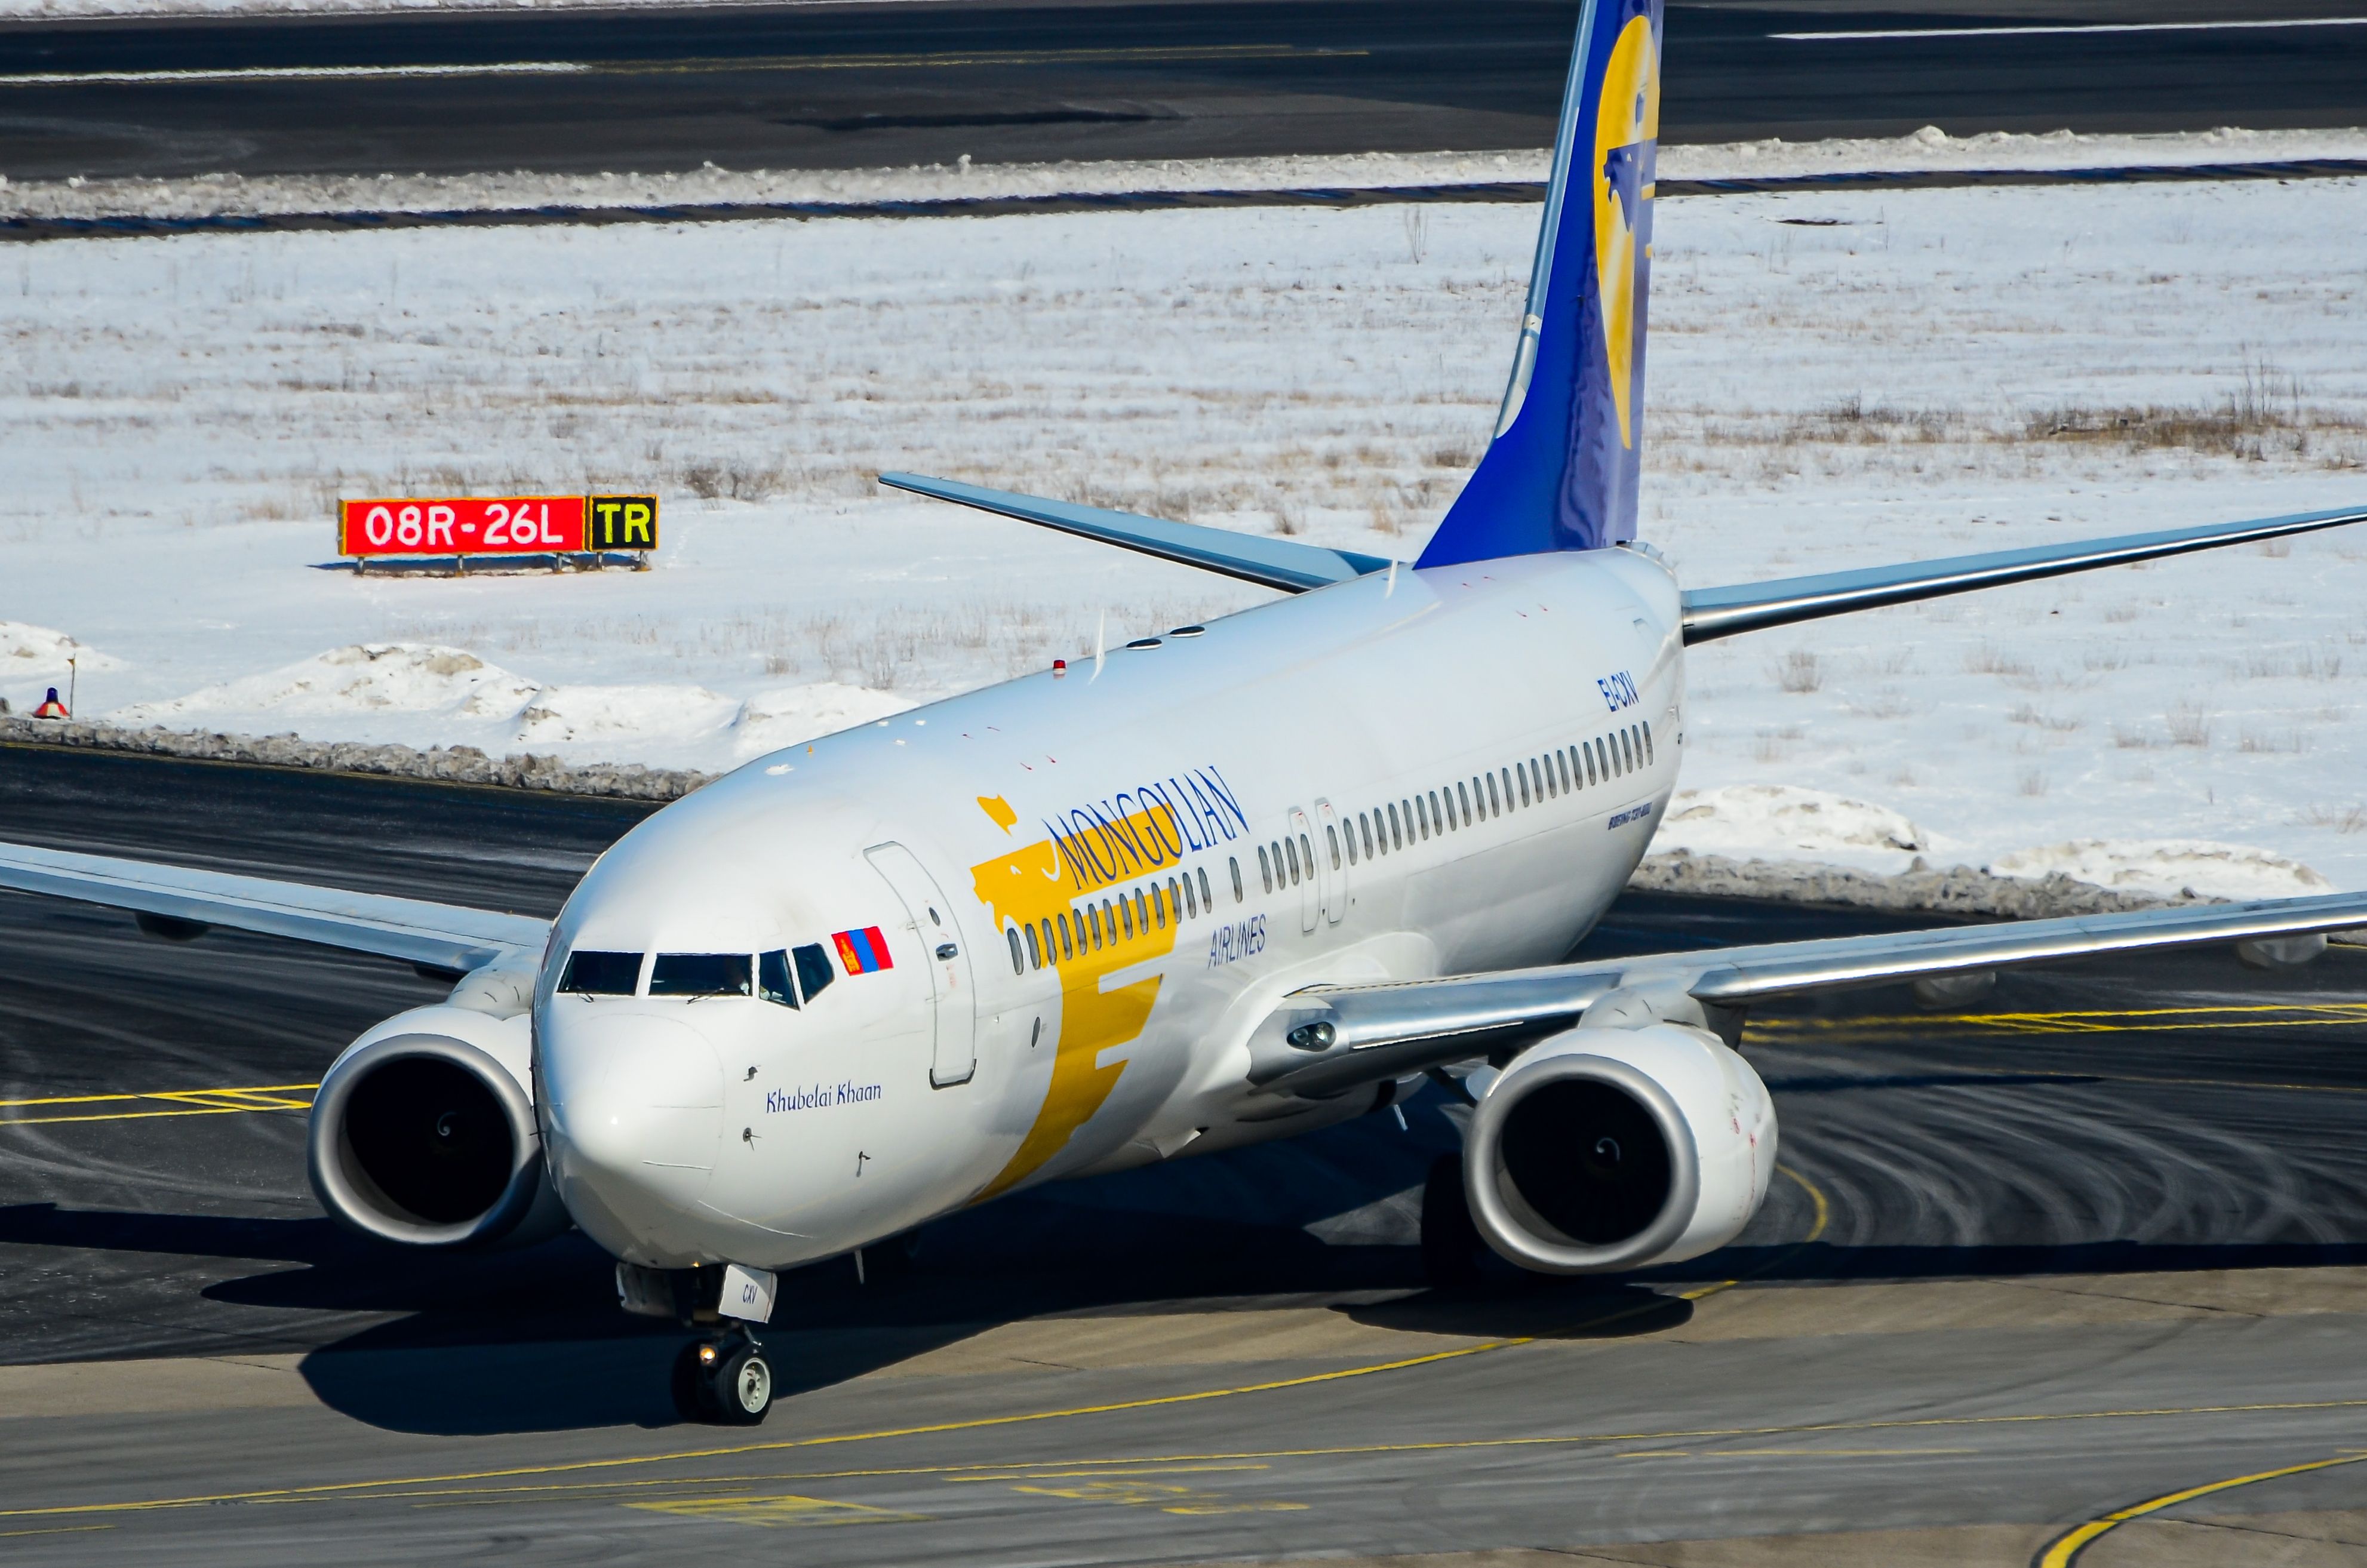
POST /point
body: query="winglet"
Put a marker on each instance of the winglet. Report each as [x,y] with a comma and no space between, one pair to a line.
[1274,563]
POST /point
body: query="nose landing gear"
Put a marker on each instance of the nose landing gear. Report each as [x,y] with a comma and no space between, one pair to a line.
[724,1381]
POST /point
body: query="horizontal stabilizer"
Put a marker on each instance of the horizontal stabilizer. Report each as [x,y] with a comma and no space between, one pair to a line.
[1755,606]
[1274,563]
[439,936]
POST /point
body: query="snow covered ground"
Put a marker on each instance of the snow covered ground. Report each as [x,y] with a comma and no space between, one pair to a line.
[1838,378]
[1928,151]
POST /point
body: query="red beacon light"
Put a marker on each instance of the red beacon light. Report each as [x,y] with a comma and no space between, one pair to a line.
[1059,666]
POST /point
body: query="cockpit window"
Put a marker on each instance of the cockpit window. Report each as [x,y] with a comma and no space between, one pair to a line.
[700,974]
[773,978]
[814,969]
[602,974]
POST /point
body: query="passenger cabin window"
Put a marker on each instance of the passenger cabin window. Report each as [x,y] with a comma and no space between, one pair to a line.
[700,974]
[1206,901]
[773,984]
[1646,728]
[1265,872]
[1331,835]
[1235,862]
[602,974]
[1018,959]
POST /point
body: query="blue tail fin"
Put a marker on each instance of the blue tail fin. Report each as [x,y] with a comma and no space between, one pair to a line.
[1560,474]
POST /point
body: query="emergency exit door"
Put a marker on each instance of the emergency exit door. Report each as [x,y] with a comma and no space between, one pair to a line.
[944,957]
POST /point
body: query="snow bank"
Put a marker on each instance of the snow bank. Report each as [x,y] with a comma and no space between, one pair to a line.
[367,678]
[33,659]
[1773,820]
[562,715]
[1929,151]
[2170,867]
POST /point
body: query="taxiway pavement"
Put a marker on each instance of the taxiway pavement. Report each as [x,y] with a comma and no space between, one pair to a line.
[2103,1241]
[796,86]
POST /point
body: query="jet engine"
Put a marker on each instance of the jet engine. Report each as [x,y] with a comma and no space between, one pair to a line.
[424,1132]
[1615,1146]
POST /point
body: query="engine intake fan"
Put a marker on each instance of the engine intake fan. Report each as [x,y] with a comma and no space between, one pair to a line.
[1613,1148]
[428,1139]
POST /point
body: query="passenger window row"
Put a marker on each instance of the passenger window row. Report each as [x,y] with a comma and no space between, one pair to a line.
[1387,829]
[1121,917]
[781,976]
[1285,861]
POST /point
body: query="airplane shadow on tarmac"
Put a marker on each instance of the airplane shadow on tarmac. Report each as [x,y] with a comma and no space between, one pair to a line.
[531,1340]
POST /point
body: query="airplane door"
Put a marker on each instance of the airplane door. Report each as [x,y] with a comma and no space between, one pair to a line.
[1335,868]
[945,957]
[1310,890]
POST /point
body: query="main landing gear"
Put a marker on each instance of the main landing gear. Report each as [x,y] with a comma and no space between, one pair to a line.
[724,1380]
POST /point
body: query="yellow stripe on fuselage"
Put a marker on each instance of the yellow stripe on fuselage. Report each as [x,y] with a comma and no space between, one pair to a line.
[1036,883]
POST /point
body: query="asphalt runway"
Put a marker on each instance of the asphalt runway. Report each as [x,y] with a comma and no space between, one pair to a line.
[2100,1244]
[867,85]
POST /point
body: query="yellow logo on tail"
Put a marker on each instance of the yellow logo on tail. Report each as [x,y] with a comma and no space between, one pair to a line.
[1626,120]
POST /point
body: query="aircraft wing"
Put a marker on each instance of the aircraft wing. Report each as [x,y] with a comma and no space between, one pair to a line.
[1334,1038]
[1755,606]
[1275,564]
[177,902]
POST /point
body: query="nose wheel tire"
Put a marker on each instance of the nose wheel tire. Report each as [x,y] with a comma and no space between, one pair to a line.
[726,1384]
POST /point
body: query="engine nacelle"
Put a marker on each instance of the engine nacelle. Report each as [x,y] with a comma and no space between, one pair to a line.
[1608,1148]
[424,1133]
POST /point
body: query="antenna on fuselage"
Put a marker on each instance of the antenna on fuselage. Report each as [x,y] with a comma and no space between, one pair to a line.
[1101,643]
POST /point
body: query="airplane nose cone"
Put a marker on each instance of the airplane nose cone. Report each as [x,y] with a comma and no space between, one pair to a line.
[635,1106]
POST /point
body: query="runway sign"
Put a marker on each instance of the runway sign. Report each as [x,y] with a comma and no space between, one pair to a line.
[496,525]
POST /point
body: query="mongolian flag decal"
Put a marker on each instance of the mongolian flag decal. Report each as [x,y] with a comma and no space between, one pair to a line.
[863,952]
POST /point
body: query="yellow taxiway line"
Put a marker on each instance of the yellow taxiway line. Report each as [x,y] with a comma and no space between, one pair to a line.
[178,1101]
[2064,1549]
[330,1491]
[2266,1015]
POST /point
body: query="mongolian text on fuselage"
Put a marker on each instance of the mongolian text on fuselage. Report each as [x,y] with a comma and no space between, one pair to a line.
[1146,828]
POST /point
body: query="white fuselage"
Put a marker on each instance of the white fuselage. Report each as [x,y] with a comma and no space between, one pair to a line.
[735,1128]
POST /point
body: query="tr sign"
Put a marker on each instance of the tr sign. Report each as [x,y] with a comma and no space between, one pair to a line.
[497,525]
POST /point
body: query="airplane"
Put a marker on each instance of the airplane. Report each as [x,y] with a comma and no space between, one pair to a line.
[1229,883]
